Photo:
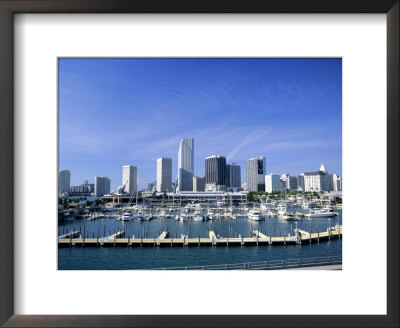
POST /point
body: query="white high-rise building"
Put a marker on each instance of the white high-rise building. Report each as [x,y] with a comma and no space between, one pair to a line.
[289,183]
[129,179]
[64,181]
[318,181]
[255,172]
[186,164]
[337,182]
[272,183]
[101,186]
[164,174]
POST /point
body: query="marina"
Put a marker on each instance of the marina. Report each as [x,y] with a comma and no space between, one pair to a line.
[171,236]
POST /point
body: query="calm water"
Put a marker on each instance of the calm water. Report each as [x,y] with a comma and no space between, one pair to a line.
[101,258]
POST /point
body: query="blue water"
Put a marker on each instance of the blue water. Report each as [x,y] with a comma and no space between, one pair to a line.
[102,258]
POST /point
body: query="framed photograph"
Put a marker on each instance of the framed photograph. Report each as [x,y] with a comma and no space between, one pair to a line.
[210,164]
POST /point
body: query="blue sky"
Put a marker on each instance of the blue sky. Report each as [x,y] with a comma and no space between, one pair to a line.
[115,112]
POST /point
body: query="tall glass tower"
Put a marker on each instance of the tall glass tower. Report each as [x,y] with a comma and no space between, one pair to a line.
[186,164]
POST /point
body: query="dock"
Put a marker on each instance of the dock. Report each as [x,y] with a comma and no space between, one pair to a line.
[119,239]
[68,235]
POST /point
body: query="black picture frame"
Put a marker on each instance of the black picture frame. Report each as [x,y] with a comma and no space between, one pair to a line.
[10,7]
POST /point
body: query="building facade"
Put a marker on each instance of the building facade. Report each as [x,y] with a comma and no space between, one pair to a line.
[199,183]
[255,172]
[318,181]
[185,165]
[337,182]
[64,181]
[215,173]
[129,179]
[164,174]
[233,176]
[272,183]
[84,189]
[101,186]
[300,182]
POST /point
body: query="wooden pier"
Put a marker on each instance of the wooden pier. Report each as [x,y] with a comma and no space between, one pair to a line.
[119,239]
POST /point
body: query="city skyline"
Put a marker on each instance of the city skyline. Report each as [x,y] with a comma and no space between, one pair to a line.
[115,112]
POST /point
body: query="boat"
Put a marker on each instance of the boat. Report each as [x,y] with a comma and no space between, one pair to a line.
[254,215]
[281,209]
[183,217]
[287,216]
[322,213]
[220,203]
[198,218]
[127,216]
[140,215]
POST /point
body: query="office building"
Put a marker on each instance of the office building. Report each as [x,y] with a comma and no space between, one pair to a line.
[199,183]
[164,174]
[300,182]
[186,165]
[337,182]
[64,180]
[272,183]
[318,181]
[129,179]
[150,186]
[289,183]
[101,186]
[233,176]
[255,172]
[215,173]
[85,189]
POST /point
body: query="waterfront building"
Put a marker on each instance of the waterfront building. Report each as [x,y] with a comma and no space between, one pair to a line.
[150,186]
[255,172]
[101,186]
[215,168]
[233,176]
[300,182]
[199,183]
[272,183]
[129,179]
[318,181]
[289,183]
[64,180]
[164,174]
[337,182]
[85,189]
[185,165]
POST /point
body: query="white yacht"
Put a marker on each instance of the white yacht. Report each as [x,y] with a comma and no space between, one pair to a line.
[287,216]
[322,213]
[198,218]
[281,209]
[127,216]
[140,215]
[183,217]
[254,215]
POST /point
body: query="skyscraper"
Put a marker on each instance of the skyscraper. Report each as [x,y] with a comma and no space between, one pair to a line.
[233,175]
[164,174]
[272,183]
[129,178]
[64,181]
[255,171]
[199,183]
[101,186]
[216,173]
[186,164]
